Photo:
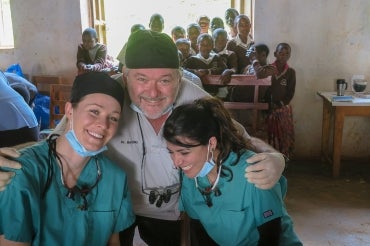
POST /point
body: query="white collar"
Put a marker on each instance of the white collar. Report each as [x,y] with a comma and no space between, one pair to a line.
[239,42]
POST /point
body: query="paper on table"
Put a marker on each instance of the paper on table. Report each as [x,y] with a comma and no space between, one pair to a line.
[342,98]
[361,100]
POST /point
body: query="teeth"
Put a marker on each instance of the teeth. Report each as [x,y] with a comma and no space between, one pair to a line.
[96,135]
[186,168]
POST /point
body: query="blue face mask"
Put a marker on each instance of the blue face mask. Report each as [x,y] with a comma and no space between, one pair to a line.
[139,111]
[78,147]
[207,167]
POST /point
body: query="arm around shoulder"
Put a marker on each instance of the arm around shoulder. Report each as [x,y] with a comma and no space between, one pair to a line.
[268,165]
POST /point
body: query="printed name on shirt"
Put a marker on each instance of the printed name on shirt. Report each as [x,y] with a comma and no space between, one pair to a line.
[129,142]
[267,214]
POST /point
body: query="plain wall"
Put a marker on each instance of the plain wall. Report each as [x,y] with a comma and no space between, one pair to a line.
[330,39]
[46,36]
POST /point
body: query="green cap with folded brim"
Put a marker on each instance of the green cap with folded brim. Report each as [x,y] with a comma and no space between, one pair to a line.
[148,49]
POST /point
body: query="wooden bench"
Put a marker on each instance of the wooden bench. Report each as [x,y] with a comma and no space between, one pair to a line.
[243,80]
[59,95]
[43,82]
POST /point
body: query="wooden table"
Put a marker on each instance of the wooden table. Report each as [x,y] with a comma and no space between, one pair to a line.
[338,111]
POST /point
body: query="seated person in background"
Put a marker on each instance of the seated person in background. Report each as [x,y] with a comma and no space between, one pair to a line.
[224,208]
[193,32]
[68,192]
[156,51]
[205,62]
[178,32]
[203,22]
[121,55]
[156,23]
[183,45]
[230,15]
[228,57]
[91,55]
[18,123]
[22,86]
[217,22]
[241,42]
[257,55]
[189,75]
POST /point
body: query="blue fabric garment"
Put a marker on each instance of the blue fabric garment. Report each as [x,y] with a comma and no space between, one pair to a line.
[16,81]
[55,219]
[15,112]
[240,209]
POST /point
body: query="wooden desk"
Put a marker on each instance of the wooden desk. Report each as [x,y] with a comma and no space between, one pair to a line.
[338,111]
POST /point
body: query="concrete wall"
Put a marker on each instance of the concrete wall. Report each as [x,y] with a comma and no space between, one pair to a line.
[46,35]
[330,39]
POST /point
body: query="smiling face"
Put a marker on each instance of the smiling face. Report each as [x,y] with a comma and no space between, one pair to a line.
[190,159]
[94,119]
[282,54]
[193,34]
[204,24]
[205,45]
[220,42]
[243,26]
[153,90]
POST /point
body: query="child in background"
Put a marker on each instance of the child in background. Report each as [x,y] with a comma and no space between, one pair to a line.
[203,22]
[230,15]
[183,45]
[205,62]
[257,55]
[241,42]
[122,53]
[178,32]
[193,32]
[156,23]
[280,127]
[217,22]
[228,57]
[91,55]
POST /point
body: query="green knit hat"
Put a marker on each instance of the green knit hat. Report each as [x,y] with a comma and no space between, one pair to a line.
[148,49]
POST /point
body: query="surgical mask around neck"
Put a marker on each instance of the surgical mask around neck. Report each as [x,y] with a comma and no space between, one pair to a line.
[208,165]
[139,111]
[78,147]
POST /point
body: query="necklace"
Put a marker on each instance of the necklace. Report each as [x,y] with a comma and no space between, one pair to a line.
[206,193]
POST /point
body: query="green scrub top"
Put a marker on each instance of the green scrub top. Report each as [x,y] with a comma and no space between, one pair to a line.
[55,219]
[236,213]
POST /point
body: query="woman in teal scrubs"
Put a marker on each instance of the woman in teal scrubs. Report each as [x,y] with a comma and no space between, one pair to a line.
[224,208]
[68,192]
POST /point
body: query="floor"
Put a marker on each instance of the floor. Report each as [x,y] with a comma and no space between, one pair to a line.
[328,211]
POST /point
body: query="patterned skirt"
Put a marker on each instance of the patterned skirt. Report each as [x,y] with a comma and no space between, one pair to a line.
[280,129]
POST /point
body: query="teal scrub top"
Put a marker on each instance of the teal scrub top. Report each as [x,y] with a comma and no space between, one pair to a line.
[240,209]
[55,219]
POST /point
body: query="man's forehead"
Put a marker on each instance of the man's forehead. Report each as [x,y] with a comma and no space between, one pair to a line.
[153,72]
